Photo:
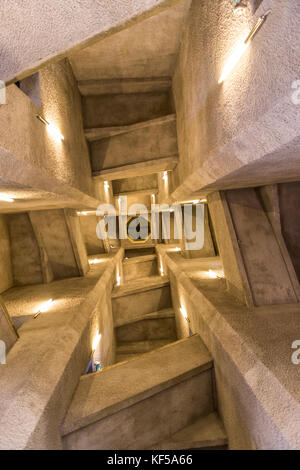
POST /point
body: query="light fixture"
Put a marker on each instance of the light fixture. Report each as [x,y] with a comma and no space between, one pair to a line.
[118,283]
[96,341]
[153,198]
[165,176]
[52,129]
[6,198]
[95,261]
[184,314]
[106,184]
[44,307]
[212,274]
[86,213]
[241,48]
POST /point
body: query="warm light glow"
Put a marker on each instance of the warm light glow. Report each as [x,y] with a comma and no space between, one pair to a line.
[96,341]
[6,198]
[161,270]
[87,213]
[106,184]
[184,313]
[174,249]
[95,261]
[54,131]
[212,274]
[153,198]
[118,283]
[233,59]
[165,176]
[45,306]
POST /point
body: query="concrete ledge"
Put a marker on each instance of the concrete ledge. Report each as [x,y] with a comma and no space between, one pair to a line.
[257,384]
[142,285]
[44,366]
[164,313]
[205,433]
[145,376]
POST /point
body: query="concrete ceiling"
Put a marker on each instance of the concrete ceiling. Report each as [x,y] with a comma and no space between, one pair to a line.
[147,49]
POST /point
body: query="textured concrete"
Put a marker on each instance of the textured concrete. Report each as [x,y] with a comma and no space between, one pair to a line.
[147,49]
[137,169]
[53,351]
[8,333]
[140,183]
[88,229]
[33,165]
[140,298]
[257,386]
[217,123]
[124,85]
[265,266]
[148,143]
[289,212]
[62,241]
[152,327]
[99,133]
[234,270]
[28,42]
[142,266]
[6,274]
[205,433]
[124,109]
[161,390]
[25,253]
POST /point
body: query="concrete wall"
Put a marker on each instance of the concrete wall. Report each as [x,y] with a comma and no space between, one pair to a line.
[28,39]
[289,196]
[124,109]
[31,159]
[255,379]
[88,229]
[250,119]
[53,352]
[62,242]
[135,184]
[6,274]
[141,145]
[25,253]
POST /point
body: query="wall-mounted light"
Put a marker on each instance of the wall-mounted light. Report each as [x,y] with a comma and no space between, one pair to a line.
[6,198]
[165,176]
[96,341]
[184,314]
[51,128]
[153,198]
[44,307]
[241,48]
[84,213]
[96,261]
[106,184]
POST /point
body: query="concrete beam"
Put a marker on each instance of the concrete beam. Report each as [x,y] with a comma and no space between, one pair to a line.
[124,85]
[105,132]
[27,41]
[156,141]
[137,169]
